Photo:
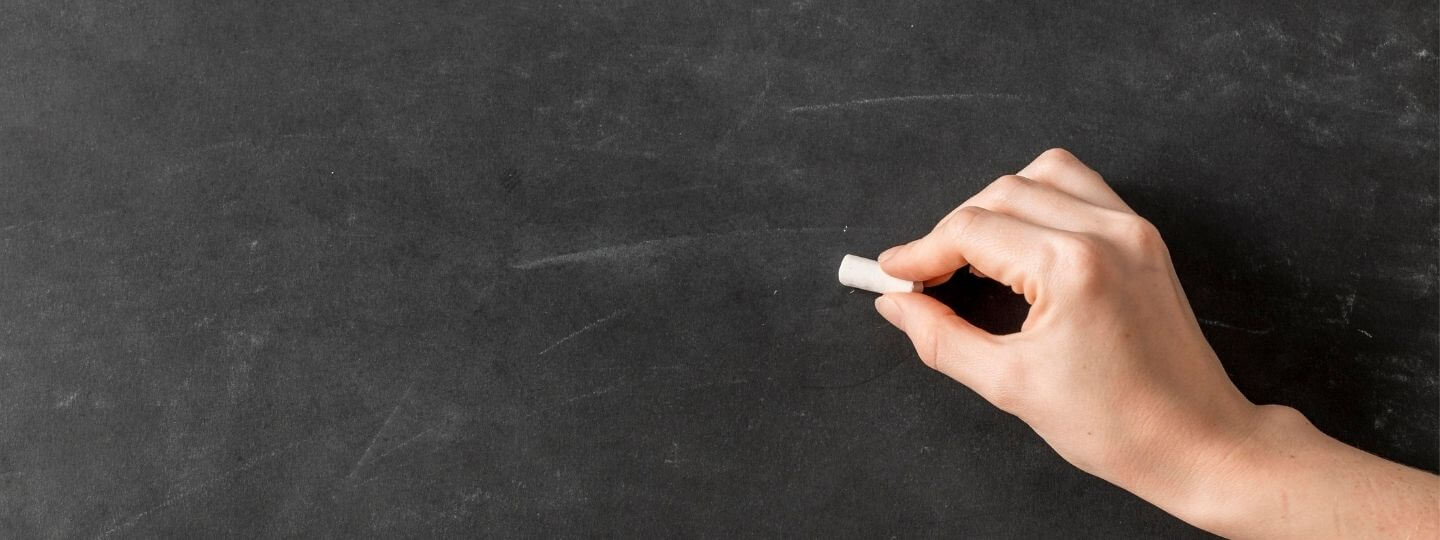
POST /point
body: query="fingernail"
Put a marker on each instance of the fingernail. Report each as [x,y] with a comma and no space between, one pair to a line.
[887,254]
[890,311]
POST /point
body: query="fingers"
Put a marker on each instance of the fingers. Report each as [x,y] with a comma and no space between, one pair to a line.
[1005,248]
[932,282]
[1041,204]
[1065,172]
[944,341]
[1063,194]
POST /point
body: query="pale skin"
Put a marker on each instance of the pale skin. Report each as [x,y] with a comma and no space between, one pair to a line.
[1110,368]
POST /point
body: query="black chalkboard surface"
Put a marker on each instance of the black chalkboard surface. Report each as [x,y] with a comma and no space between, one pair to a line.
[413,269]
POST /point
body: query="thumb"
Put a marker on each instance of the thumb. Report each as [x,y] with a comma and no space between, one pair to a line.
[945,342]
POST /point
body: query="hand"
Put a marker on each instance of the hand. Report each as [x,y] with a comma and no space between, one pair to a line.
[1110,367]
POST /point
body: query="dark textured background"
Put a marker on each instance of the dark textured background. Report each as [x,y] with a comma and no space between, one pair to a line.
[437,268]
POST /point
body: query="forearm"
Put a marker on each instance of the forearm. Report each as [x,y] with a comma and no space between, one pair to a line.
[1289,480]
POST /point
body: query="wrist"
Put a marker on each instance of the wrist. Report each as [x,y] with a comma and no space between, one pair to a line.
[1180,466]
[1288,479]
[1222,494]
[1281,479]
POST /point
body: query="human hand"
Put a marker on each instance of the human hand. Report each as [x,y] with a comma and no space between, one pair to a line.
[1110,368]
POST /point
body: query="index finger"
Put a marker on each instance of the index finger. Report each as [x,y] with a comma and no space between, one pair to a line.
[1063,171]
[1003,247]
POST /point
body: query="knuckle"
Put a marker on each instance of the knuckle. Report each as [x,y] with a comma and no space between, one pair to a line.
[1079,250]
[1007,189]
[970,212]
[1281,415]
[1081,258]
[1060,166]
[1057,156]
[963,218]
[1135,232]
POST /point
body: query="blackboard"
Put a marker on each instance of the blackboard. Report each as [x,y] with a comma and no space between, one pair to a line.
[411,269]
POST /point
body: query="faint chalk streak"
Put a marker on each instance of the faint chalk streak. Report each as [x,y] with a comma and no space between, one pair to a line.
[587,395]
[23,225]
[603,252]
[745,118]
[639,248]
[1219,324]
[197,490]
[584,329]
[365,456]
[407,442]
[895,100]
[573,399]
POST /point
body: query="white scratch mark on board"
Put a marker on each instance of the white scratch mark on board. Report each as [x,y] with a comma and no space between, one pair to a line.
[587,395]
[197,490]
[896,100]
[603,252]
[1347,307]
[573,399]
[365,456]
[405,443]
[586,328]
[1221,324]
[70,398]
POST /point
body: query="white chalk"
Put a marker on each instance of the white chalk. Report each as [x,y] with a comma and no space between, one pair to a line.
[862,273]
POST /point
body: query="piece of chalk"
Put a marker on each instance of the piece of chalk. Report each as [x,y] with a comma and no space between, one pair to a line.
[862,273]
